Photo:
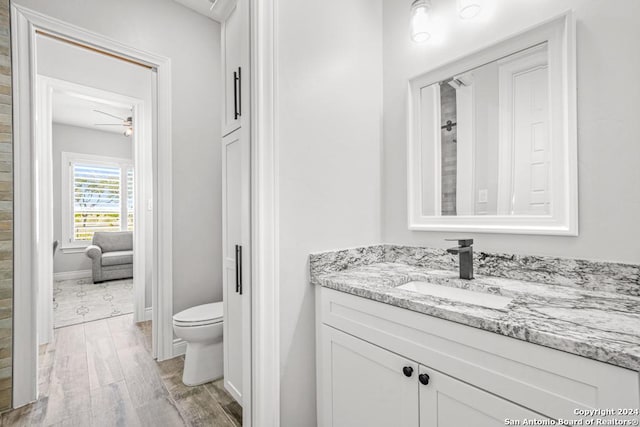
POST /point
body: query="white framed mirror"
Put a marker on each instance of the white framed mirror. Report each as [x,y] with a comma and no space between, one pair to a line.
[492,138]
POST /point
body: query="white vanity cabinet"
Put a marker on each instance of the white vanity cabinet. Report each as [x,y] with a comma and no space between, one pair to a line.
[374,387]
[367,383]
[475,378]
[448,402]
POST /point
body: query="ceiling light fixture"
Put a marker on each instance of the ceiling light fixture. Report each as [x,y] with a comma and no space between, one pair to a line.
[420,21]
[129,124]
[126,122]
[468,9]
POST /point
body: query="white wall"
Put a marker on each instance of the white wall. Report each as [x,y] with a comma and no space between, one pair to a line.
[192,42]
[608,107]
[328,123]
[75,139]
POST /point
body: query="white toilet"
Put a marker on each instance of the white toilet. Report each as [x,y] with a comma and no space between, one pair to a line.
[201,328]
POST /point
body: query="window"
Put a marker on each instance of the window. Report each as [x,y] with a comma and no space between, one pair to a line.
[99,197]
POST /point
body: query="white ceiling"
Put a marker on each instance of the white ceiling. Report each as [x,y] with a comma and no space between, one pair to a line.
[73,110]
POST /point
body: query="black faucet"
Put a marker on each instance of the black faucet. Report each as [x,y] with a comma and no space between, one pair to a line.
[465,252]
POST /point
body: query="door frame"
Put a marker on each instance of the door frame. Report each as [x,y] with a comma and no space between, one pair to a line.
[265,294]
[142,163]
[24,25]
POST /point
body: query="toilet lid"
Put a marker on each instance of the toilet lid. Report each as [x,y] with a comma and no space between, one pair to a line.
[200,314]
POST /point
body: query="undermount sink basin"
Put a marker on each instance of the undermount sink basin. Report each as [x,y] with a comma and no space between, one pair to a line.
[457,294]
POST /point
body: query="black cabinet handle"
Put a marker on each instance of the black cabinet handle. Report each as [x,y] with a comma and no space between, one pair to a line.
[235,96]
[424,379]
[239,112]
[239,286]
[237,268]
[407,371]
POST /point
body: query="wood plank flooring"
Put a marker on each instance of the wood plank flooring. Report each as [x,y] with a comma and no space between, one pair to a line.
[102,374]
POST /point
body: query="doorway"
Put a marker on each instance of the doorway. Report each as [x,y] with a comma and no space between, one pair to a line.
[85,190]
[93,178]
[33,93]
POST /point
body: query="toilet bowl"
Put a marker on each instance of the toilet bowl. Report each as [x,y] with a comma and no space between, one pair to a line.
[201,328]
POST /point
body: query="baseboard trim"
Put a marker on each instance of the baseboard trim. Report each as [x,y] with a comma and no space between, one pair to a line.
[72,275]
[148,313]
[179,347]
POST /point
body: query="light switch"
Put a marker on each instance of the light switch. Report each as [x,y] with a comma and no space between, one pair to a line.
[150,204]
[483,195]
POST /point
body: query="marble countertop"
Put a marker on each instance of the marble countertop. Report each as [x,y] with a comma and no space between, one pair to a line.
[600,325]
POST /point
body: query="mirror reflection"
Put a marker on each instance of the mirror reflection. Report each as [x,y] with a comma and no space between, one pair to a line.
[485,139]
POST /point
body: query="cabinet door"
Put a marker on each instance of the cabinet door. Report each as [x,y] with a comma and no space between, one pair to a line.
[235,254]
[447,402]
[364,385]
[232,68]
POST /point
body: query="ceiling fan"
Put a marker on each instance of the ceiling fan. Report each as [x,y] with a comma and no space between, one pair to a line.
[126,122]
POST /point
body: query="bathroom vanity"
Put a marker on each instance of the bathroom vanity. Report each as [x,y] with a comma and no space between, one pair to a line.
[401,340]
[404,340]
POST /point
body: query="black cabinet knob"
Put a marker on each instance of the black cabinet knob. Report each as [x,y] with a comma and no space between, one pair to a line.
[407,371]
[424,379]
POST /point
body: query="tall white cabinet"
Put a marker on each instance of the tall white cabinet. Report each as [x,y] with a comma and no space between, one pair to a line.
[236,222]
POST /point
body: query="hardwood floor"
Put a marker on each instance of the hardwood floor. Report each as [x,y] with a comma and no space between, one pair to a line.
[102,374]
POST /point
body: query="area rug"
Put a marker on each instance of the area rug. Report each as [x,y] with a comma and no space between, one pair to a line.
[80,300]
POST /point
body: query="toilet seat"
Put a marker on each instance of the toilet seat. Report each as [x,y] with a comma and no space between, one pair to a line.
[200,315]
[201,328]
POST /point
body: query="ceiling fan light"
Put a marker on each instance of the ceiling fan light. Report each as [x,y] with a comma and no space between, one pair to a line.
[128,131]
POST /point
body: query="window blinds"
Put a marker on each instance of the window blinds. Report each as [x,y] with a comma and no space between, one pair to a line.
[96,199]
